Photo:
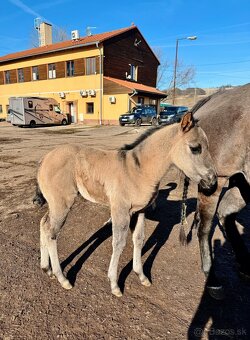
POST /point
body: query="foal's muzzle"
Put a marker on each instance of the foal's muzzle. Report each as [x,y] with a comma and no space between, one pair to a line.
[208,186]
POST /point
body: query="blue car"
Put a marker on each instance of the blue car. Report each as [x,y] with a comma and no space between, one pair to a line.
[139,115]
[172,114]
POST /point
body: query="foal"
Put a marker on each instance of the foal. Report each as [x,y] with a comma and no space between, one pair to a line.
[126,179]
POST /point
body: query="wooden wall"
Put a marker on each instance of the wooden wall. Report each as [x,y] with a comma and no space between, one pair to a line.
[121,51]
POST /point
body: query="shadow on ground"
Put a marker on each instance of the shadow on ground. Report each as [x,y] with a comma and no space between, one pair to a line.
[228,318]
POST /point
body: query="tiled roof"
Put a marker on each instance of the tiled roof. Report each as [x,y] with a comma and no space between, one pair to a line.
[136,86]
[88,40]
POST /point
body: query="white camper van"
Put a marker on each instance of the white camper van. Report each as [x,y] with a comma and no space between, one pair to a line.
[32,111]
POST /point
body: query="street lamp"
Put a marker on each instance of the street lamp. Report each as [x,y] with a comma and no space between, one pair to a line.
[176,61]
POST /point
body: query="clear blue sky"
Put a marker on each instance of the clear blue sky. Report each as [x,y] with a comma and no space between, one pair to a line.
[221,55]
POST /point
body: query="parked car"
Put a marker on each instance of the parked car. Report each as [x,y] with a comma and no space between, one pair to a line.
[139,115]
[172,114]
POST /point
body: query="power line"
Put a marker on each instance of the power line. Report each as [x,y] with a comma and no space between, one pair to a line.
[226,63]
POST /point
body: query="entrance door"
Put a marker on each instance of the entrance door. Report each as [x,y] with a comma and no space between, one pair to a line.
[72,112]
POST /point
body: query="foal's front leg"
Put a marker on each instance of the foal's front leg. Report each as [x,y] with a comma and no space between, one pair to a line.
[138,240]
[120,226]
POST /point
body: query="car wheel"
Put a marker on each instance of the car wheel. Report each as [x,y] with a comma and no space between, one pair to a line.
[138,122]
[64,122]
[32,123]
[154,121]
[122,124]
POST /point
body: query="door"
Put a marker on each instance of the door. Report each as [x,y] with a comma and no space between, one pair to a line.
[72,112]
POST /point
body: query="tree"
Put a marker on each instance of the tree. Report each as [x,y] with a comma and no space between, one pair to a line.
[184,74]
[58,34]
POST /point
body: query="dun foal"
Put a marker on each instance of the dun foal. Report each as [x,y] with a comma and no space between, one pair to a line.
[126,179]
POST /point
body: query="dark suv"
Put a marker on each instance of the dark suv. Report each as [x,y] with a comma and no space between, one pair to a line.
[172,114]
[139,115]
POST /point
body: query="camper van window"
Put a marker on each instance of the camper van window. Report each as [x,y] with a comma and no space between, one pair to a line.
[30,104]
[57,109]
[51,107]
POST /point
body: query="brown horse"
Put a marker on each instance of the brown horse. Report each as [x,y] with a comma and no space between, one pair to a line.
[225,117]
[126,179]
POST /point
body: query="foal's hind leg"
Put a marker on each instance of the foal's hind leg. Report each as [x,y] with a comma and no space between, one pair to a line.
[138,239]
[45,261]
[51,224]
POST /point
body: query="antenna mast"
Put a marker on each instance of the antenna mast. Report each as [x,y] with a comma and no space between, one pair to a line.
[37,23]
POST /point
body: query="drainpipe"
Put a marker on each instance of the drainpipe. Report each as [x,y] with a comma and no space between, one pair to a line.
[101,81]
[130,98]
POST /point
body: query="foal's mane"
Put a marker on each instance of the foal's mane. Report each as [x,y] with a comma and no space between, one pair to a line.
[140,139]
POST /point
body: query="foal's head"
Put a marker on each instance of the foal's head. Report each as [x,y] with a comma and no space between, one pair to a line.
[190,154]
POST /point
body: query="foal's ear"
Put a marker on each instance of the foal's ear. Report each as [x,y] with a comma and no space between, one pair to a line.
[187,122]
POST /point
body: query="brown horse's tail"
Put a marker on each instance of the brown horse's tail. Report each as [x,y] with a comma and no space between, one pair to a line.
[39,198]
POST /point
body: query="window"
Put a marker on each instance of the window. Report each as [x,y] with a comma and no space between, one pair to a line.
[35,73]
[70,68]
[1,108]
[52,71]
[30,104]
[20,75]
[141,100]
[90,107]
[57,109]
[90,65]
[7,77]
[133,72]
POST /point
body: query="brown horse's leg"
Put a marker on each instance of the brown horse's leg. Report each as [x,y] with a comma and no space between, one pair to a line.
[120,226]
[230,205]
[138,239]
[206,210]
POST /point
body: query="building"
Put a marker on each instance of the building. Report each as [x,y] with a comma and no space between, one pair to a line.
[94,78]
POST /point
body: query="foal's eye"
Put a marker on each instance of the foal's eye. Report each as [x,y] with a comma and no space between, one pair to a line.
[195,149]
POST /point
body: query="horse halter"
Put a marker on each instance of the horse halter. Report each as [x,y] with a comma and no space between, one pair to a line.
[182,236]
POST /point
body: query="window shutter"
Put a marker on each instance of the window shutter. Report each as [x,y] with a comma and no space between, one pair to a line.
[97,64]
[27,74]
[13,76]
[42,70]
[79,67]
[60,69]
[1,78]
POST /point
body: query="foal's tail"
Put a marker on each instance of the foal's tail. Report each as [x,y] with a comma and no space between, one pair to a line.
[39,198]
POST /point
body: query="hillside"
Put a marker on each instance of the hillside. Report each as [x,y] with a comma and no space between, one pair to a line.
[190,96]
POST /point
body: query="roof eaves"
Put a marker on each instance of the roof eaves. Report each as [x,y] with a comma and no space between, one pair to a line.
[50,51]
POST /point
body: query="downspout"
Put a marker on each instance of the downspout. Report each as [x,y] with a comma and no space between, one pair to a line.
[101,81]
[130,98]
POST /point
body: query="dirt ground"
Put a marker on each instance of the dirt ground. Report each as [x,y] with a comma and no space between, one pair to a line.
[176,306]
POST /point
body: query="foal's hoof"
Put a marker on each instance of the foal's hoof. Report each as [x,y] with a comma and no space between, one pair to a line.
[66,284]
[145,282]
[48,271]
[117,292]
[216,292]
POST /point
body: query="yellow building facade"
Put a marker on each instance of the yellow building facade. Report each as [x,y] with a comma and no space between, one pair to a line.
[77,74]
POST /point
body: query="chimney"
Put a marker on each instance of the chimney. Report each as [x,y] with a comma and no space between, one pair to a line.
[45,32]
